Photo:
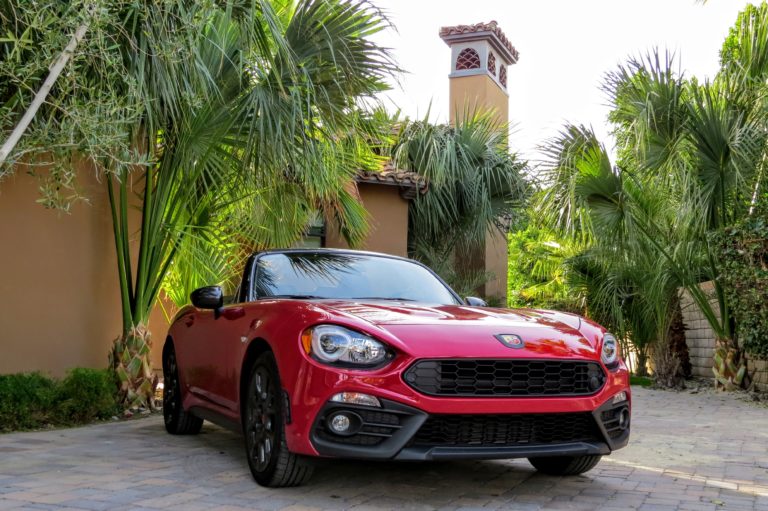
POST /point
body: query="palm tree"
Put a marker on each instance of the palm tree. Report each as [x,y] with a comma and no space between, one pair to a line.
[690,160]
[475,183]
[233,122]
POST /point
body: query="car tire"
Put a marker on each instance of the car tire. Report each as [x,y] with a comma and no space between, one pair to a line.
[565,465]
[269,459]
[177,420]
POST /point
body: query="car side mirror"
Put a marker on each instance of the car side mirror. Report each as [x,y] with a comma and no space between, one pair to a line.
[208,297]
[475,301]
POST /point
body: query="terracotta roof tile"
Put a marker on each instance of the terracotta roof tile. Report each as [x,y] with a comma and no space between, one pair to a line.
[390,175]
[492,27]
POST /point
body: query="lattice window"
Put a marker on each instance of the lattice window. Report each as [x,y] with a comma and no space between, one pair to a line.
[467,59]
[492,63]
[503,75]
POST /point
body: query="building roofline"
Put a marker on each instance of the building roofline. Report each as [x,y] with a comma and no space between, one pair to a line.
[482,31]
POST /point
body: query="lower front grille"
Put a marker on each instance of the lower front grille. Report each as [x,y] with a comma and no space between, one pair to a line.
[612,421]
[507,430]
[376,427]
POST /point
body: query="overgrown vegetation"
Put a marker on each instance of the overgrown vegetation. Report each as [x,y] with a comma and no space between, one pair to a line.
[690,164]
[32,400]
[744,252]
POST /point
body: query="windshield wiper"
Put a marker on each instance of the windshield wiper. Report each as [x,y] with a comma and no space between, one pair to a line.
[393,298]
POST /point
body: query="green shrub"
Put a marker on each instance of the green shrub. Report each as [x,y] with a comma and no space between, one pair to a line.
[32,400]
[744,274]
[86,395]
[26,400]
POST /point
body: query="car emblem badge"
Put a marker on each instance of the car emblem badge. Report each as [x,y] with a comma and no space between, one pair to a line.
[511,340]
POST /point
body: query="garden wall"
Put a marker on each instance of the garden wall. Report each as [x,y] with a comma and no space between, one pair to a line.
[701,341]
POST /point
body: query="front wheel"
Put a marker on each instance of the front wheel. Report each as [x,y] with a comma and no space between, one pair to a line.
[269,459]
[565,465]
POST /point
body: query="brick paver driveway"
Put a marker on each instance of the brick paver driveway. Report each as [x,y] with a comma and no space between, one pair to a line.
[688,451]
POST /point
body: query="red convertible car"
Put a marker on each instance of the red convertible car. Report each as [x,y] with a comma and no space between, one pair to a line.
[346,354]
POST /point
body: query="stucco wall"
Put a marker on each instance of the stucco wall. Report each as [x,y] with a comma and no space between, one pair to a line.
[496,262]
[701,341]
[388,221]
[469,93]
[59,298]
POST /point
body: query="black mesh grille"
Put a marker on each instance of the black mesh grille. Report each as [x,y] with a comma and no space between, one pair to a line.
[489,378]
[509,430]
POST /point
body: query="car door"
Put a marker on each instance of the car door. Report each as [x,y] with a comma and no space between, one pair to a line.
[215,345]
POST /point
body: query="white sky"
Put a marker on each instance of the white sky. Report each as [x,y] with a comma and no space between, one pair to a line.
[565,48]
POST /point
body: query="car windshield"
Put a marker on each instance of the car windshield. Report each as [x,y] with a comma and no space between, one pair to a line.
[347,276]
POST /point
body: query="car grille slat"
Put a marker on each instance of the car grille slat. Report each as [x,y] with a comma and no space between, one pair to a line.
[507,430]
[504,378]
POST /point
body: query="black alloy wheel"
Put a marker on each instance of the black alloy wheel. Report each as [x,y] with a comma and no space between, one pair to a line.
[268,457]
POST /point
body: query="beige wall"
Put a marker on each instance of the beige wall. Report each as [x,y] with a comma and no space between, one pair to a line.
[496,262]
[470,93]
[467,94]
[59,298]
[388,220]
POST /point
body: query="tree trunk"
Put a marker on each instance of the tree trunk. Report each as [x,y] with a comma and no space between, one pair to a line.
[130,359]
[42,93]
[730,366]
[678,347]
[642,363]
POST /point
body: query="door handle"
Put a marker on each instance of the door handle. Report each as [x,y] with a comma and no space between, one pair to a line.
[233,312]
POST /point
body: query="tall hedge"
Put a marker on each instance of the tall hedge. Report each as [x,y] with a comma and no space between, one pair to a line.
[744,274]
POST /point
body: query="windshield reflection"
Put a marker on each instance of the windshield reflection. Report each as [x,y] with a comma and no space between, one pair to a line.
[311,275]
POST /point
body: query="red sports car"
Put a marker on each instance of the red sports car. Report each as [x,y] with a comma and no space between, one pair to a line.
[345,354]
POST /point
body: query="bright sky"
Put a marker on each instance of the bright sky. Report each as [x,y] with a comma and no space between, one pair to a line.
[566,46]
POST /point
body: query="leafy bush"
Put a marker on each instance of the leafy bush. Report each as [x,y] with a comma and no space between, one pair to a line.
[744,258]
[26,400]
[86,395]
[33,400]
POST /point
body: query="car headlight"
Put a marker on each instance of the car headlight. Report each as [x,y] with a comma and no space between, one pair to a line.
[337,345]
[609,353]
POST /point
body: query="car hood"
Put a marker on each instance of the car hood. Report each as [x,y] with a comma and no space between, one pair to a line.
[455,330]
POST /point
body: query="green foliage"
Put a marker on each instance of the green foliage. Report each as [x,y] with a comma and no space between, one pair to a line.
[32,400]
[85,395]
[743,250]
[473,179]
[538,271]
[475,183]
[691,162]
[641,381]
[26,400]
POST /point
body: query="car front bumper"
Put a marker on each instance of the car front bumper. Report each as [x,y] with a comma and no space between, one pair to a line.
[414,427]
[398,433]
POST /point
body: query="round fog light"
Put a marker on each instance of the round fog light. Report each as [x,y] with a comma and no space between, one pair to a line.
[340,423]
[624,418]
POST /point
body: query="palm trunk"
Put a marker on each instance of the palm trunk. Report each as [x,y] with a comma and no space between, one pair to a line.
[130,359]
[730,366]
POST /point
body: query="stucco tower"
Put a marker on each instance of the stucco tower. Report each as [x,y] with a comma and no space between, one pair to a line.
[480,57]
